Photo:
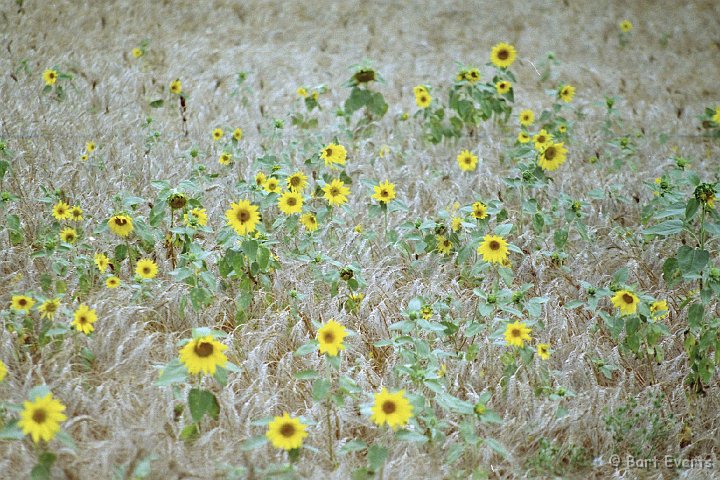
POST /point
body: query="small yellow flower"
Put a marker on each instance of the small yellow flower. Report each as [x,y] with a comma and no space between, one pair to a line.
[3,371]
[659,309]
[309,221]
[494,249]
[61,211]
[456,224]
[422,98]
[467,161]
[336,192]
[503,87]
[358,228]
[90,147]
[237,134]
[49,308]
[260,179]
[384,192]
[517,333]
[102,262]
[384,151]
[146,268]
[200,215]
[472,75]
[479,210]
[137,52]
[503,55]
[121,225]
[176,86]
[330,338]
[84,319]
[301,92]
[567,93]
[225,158]
[543,350]
[76,213]
[523,137]
[626,26]
[50,76]
[527,117]
[290,202]
[112,282]
[444,246]
[716,117]
[84,157]
[626,301]
[41,418]
[68,235]
[217,134]
[297,181]
[21,303]
[286,433]
[272,185]
[542,139]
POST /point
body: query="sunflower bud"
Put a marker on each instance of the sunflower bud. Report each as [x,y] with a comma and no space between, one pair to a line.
[491,299]
[705,194]
[346,273]
[177,201]
[479,408]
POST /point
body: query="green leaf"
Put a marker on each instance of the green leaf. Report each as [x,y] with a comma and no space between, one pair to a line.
[320,389]
[410,436]
[692,260]
[38,392]
[189,432]
[668,227]
[352,446]
[263,258]
[307,348]
[174,372]
[11,432]
[377,456]
[41,471]
[203,402]
[253,443]
[497,447]
[691,209]
[306,375]
[560,238]
[695,315]
[157,103]
[250,248]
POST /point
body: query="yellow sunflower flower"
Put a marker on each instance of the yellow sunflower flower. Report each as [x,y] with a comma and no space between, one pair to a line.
[21,303]
[333,153]
[659,309]
[176,87]
[49,308]
[260,179]
[503,87]
[444,246]
[553,156]
[225,158]
[3,371]
[336,192]
[626,301]
[516,333]
[384,192]
[523,137]
[90,146]
[479,210]
[68,235]
[309,221]
[456,224]
[331,336]
[567,93]
[146,268]
[41,418]
[243,217]
[290,202]
[626,26]
[503,55]
[472,75]
[61,211]
[467,161]
[121,225]
[102,262]
[84,319]
[203,354]
[137,52]
[422,97]
[543,350]
[237,134]
[494,249]
[542,139]
[527,117]
[301,92]
[76,213]
[217,134]
[716,117]
[50,76]
[112,282]
[286,433]
[200,215]
[272,185]
[391,408]
[297,182]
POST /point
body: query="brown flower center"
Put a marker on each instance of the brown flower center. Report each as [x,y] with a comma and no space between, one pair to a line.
[287,430]
[294,181]
[503,54]
[423,99]
[494,245]
[146,270]
[203,349]
[541,139]
[291,201]
[384,193]
[329,337]
[328,152]
[334,192]
[550,153]
[243,216]
[389,407]
[627,298]
[82,319]
[39,416]
[120,221]
[515,332]
[50,307]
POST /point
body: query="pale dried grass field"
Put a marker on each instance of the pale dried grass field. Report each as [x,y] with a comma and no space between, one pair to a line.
[117,416]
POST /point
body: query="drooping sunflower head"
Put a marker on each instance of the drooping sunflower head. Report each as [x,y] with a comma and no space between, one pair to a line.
[121,225]
[523,137]
[503,55]
[286,433]
[444,245]
[659,309]
[330,338]
[260,179]
[543,350]
[176,201]
[237,134]
[203,354]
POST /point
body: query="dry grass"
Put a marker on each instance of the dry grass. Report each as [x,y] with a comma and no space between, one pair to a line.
[117,416]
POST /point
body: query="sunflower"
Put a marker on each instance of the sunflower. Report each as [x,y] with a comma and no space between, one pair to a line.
[121,225]
[542,139]
[336,192]
[76,213]
[90,146]
[49,308]
[384,192]
[626,301]
[503,87]
[21,303]
[84,157]
[297,181]
[330,336]
[3,371]
[41,418]
[290,202]
[523,137]
[203,354]
[527,117]
[61,211]
[237,134]
[494,249]
[626,26]
[112,282]
[68,235]
[472,75]
[243,216]
[422,97]
[309,221]
[146,268]
[176,86]
[50,76]
[659,309]
[217,134]
[567,93]
[516,333]
[301,92]
[562,128]
[716,117]
[444,245]
[456,224]
[543,350]
[137,53]
[225,158]
[479,210]
[467,161]
[391,408]
[426,311]
[272,185]
[84,319]
[102,261]
[286,433]
[553,156]
[260,179]
[503,55]
[333,153]
[200,217]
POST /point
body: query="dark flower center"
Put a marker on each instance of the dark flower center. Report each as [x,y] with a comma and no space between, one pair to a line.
[494,245]
[550,153]
[334,192]
[287,430]
[50,307]
[329,337]
[22,302]
[120,221]
[627,298]
[146,270]
[423,99]
[541,139]
[204,349]
[294,181]
[243,216]
[515,332]
[328,152]
[82,319]
[39,416]
[384,193]
[291,201]
[503,54]
[389,407]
